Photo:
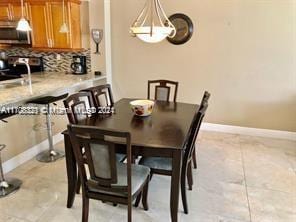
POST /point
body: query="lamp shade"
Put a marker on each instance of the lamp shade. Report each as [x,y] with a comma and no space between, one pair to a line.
[23,25]
[64,28]
[157,34]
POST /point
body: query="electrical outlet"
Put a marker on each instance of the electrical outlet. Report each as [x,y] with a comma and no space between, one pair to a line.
[23,60]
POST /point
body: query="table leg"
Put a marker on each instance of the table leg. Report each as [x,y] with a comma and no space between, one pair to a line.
[71,170]
[175,184]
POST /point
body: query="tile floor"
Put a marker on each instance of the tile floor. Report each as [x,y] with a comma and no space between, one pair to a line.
[239,179]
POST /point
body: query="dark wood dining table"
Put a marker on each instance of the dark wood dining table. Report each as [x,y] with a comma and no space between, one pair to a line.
[160,135]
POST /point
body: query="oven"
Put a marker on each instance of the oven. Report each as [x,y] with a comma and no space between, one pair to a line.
[9,34]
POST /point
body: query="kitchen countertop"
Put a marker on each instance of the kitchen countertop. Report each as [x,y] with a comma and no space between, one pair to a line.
[43,84]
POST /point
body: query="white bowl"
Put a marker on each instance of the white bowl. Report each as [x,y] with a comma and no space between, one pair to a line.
[142,107]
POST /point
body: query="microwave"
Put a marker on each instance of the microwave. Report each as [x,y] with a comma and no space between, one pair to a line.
[9,34]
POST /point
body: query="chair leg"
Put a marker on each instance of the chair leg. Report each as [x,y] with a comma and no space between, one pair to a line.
[138,199]
[183,190]
[78,185]
[145,195]
[129,211]
[85,208]
[189,176]
[151,175]
[194,158]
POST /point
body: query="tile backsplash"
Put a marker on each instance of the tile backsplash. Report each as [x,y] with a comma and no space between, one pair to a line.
[50,59]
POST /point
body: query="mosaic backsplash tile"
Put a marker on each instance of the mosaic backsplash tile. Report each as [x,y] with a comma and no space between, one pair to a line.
[51,63]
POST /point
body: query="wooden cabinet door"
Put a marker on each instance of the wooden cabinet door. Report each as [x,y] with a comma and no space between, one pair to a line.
[16,11]
[75,25]
[4,11]
[39,20]
[59,40]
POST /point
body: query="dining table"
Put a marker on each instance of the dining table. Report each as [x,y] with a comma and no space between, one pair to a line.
[162,134]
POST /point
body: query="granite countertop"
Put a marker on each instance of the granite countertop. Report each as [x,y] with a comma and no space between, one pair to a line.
[43,84]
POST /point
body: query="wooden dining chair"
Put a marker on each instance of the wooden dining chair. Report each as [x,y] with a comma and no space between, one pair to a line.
[163,90]
[163,166]
[108,180]
[79,108]
[102,95]
[204,100]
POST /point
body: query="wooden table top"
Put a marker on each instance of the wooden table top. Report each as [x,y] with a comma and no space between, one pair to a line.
[167,127]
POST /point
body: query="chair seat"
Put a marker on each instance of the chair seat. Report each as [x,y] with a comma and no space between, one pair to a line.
[139,176]
[159,163]
[48,99]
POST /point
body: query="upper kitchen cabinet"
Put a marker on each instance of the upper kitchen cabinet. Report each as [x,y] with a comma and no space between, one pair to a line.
[16,10]
[39,20]
[46,18]
[12,10]
[5,11]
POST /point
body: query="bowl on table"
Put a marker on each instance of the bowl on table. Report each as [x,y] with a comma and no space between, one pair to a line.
[142,107]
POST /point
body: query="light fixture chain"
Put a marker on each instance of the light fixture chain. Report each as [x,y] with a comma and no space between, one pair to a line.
[22,5]
[141,14]
[151,19]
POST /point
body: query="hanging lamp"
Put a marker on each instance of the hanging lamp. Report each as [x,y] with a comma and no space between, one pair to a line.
[64,28]
[23,24]
[152,25]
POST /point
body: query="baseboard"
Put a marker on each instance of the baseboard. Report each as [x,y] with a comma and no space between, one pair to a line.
[29,154]
[277,134]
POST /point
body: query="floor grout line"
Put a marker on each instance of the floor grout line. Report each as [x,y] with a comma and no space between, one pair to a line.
[246,188]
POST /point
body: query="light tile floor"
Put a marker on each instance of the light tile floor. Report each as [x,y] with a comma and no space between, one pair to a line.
[239,179]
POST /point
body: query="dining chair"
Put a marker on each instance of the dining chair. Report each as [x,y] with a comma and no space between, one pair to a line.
[102,95]
[163,166]
[204,100]
[163,90]
[78,108]
[104,178]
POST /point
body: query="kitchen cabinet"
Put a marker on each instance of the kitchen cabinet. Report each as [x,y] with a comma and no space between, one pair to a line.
[4,11]
[75,26]
[39,21]
[46,29]
[16,11]
[58,40]
[12,10]
[46,19]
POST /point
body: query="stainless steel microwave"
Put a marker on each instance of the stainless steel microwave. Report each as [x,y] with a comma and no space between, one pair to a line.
[9,34]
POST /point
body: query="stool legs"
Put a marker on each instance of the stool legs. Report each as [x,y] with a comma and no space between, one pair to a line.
[10,185]
[49,155]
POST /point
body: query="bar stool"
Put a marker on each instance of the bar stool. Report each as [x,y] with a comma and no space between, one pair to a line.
[9,185]
[49,155]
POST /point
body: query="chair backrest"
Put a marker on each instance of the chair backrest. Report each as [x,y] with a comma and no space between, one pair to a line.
[163,90]
[100,156]
[79,106]
[195,127]
[102,95]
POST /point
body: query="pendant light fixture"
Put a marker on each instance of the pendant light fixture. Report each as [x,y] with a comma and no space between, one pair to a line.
[152,25]
[64,28]
[23,24]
